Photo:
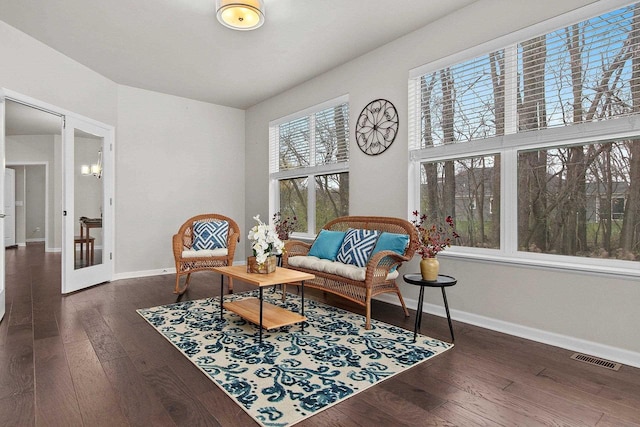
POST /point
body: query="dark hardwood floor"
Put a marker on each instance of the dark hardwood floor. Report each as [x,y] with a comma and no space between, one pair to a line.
[90,359]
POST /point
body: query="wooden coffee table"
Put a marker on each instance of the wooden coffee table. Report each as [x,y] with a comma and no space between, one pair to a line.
[255,310]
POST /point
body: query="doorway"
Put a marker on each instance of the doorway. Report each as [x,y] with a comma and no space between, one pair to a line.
[33,138]
[61,142]
[30,204]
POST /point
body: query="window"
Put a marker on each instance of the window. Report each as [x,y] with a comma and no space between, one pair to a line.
[562,217]
[309,166]
[465,187]
[617,208]
[534,148]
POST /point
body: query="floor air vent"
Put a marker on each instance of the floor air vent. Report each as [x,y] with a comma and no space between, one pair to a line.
[596,361]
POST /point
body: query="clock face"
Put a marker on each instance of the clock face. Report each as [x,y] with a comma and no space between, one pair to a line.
[377,127]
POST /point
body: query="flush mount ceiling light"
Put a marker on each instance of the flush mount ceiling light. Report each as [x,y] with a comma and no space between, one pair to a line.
[240,15]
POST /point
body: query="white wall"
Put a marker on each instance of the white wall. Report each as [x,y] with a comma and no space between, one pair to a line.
[34,203]
[586,312]
[34,69]
[176,158]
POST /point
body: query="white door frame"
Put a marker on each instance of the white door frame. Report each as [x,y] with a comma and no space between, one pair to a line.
[10,208]
[2,257]
[68,247]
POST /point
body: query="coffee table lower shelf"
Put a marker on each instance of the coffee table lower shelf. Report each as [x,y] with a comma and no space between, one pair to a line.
[272,315]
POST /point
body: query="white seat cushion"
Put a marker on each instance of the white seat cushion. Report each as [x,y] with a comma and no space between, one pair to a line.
[204,253]
[333,267]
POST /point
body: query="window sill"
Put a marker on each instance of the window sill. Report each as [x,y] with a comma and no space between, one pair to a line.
[535,261]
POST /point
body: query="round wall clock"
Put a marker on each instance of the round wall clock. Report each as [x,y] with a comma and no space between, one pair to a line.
[377,127]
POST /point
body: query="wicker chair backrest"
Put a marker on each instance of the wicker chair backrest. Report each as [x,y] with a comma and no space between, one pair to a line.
[186,231]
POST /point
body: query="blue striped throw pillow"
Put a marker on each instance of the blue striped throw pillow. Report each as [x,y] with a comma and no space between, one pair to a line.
[210,234]
[357,247]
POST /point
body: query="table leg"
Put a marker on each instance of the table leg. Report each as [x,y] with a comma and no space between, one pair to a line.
[446,307]
[302,301]
[87,247]
[260,333]
[221,293]
[91,248]
[418,313]
[81,243]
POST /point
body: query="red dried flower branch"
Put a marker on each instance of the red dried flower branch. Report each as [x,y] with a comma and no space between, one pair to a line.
[284,226]
[434,238]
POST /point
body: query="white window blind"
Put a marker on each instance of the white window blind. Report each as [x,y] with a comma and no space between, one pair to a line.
[579,73]
[332,135]
[294,144]
[316,139]
[458,103]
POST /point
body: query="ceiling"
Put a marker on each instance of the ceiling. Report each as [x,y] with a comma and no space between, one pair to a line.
[178,47]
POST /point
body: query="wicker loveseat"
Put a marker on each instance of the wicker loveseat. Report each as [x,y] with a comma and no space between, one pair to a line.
[358,284]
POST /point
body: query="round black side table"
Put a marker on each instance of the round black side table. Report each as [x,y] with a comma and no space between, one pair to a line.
[441,282]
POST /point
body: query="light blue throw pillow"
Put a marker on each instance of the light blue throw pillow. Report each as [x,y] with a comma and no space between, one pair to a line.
[391,242]
[357,247]
[327,244]
[210,234]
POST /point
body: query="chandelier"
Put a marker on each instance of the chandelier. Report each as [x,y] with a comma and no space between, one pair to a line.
[94,169]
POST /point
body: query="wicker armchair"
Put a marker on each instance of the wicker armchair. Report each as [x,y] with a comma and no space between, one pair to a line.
[189,260]
[377,278]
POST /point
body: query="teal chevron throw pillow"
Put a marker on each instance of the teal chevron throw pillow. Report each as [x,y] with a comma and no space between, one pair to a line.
[210,234]
[357,247]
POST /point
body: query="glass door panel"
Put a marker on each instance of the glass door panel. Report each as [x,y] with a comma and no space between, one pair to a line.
[87,213]
[88,199]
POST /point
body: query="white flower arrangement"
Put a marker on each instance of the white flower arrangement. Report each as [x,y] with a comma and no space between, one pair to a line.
[265,241]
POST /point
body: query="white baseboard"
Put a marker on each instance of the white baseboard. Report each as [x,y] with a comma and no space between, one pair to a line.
[37,239]
[158,272]
[615,354]
[144,273]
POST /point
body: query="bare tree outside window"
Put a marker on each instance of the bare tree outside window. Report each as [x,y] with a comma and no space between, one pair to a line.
[600,193]
[332,198]
[306,145]
[589,75]
[473,185]
[579,198]
[293,201]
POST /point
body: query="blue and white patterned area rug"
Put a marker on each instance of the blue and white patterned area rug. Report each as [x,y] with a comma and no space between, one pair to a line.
[295,374]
